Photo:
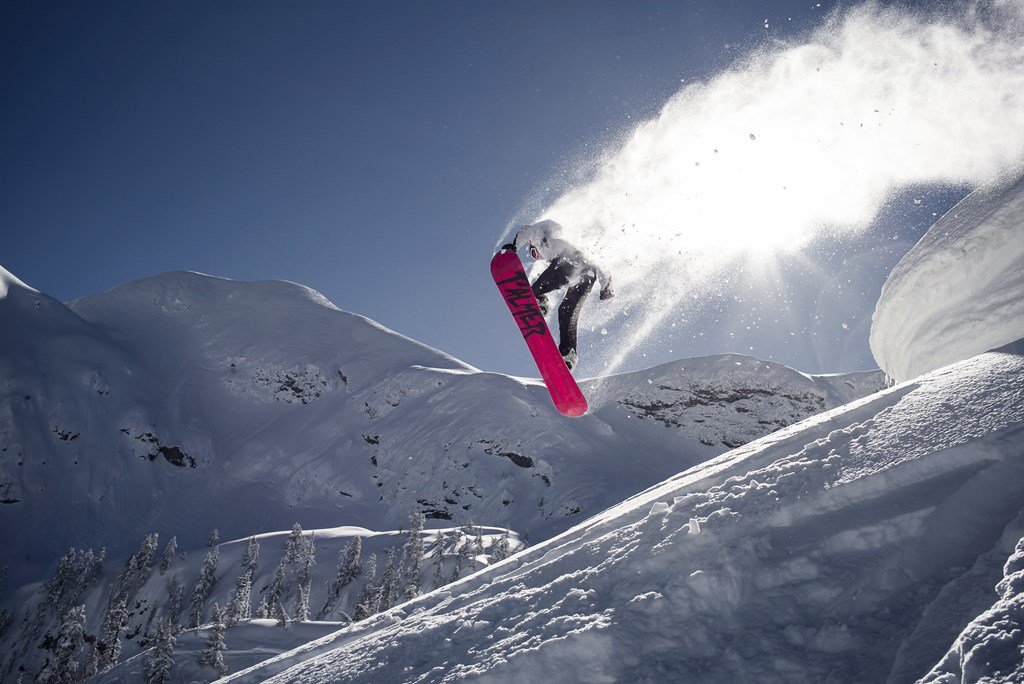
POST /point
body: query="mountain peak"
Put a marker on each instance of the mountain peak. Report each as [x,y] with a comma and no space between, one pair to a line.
[9,281]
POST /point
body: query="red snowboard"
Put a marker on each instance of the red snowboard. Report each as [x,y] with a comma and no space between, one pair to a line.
[510,277]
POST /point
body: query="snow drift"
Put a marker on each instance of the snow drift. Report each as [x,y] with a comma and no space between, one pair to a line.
[852,547]
[960,290]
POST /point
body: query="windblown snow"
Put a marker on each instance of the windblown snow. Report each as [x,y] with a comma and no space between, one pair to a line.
[960,290]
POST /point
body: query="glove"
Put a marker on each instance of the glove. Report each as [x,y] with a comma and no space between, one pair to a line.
[544,305]
[606,293]
[508,246]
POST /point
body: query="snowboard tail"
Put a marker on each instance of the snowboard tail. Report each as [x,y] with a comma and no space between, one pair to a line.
[510,277]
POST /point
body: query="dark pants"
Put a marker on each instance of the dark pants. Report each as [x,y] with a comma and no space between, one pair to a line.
[559,273]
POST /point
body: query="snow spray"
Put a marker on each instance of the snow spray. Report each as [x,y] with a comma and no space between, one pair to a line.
[796,141]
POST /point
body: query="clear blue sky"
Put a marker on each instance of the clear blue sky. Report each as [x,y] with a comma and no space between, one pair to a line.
[371,150]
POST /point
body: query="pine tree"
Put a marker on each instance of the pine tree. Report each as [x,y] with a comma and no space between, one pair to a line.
[213,654]
[307,559]
[478,545]
[169,553]
[462,555]
[386,592]
[70,646]
[348,570]
[251,559]
[92,663]
[109,643]
[240,607]
[90,571]
[122,589]
[175,602]
[204,583]
[439,562]
[366,604]
[263,611]
[414,553]
[145,556]
[276,591]
[161,661]
[214,538]
[502,548]
[293,547]
[56,587]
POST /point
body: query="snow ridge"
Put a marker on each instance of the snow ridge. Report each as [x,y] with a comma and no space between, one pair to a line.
[960,290]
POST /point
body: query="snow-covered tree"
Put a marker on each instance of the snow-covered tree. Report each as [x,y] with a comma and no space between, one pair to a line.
[413,553]
[204,583]
[170,551]
[213,654]
[240,607]
[70,648]
[276,591]
[463,556]
[214,538]
[83,574]
[366,604]
[161,661]
[387,590]
[438,557]
[92,663]
[293,547]
[263,610]
[144,558]
[57,586]
[478,541]
[282,616]
[251,559]
[348,570]
[502,548]
[175,602]
[307,559]
[108,643]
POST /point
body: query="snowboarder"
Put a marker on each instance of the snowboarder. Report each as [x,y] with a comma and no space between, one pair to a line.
[568,266]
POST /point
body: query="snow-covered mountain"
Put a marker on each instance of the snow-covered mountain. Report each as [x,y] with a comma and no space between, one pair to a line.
[852,547]
[183,402]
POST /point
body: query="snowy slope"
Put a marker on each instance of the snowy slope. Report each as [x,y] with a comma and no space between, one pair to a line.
[854,546]
[991,648]
[183,402]
[960,290]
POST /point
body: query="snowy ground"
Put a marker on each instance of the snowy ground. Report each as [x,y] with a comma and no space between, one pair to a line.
[855,546]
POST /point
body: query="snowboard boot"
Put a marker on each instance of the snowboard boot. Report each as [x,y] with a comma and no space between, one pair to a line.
[570,359]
